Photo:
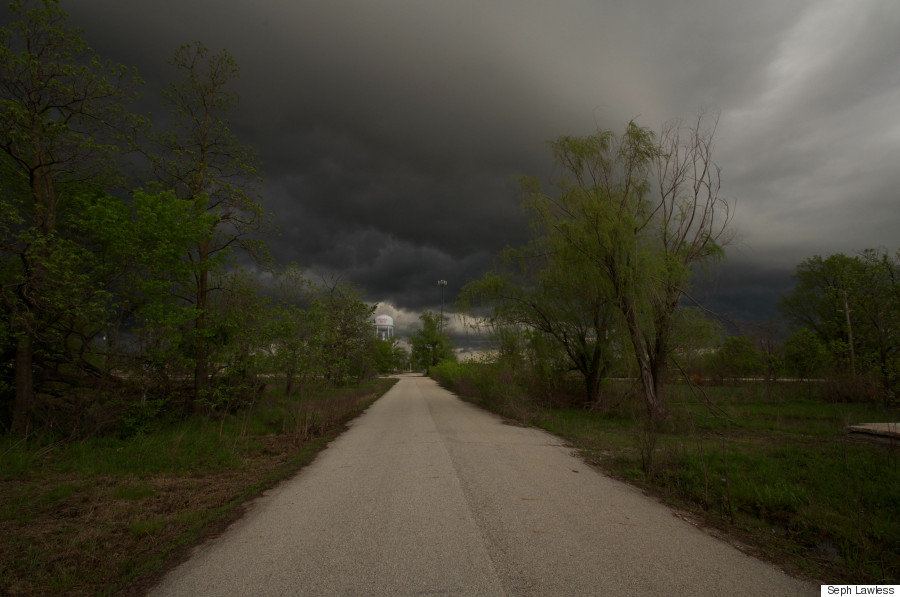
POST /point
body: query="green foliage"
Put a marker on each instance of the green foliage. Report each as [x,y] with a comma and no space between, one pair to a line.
[549,295]
[805,355]
[770,460]
[62,115]
[290,329]
[389,356]
[346,334]
[59,99]
[694,337]
[149,495]
[615,243]
[852,306]
[429,345]
[319,334]
[491,384]
[114,304]
[208,168]
[738,357]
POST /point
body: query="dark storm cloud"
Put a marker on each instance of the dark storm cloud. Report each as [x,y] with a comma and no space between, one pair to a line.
[742,293]
[390,132]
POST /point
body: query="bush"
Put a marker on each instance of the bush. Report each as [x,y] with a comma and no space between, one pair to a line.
[494,385]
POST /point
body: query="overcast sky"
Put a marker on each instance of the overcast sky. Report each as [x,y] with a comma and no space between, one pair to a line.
[390,131]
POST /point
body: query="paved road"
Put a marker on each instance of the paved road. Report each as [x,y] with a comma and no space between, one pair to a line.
[428,495]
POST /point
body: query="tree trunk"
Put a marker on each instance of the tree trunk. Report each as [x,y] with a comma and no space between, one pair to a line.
[201,365]
[290,368]
[658,358]
[24,384]
[592,386]
[648,366]
[656,407]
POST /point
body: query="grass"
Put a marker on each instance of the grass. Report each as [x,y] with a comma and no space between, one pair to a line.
[771,467]
[107,515]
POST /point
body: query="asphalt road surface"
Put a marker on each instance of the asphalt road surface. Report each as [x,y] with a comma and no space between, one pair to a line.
[428,495]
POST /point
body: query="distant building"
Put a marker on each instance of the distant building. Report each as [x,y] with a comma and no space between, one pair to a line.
[384,327]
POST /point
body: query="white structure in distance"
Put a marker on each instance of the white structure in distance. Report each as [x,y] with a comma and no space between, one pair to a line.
[384,327]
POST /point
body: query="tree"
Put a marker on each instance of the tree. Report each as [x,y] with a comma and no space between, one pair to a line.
[204,163]
[767,335]
[804,354]
[644,211]
[291,329]
[389,356]
[346,337]
[817,300]
[852,305]
[238,314]
[429,345]
[551,290]
[739,357]
[61,117]
[695,338]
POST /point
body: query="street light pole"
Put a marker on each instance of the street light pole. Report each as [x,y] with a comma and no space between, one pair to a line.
[442,283]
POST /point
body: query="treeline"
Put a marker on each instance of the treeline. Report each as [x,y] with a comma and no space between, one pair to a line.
[122,301]
[840,328]
[845,312]
[603,288]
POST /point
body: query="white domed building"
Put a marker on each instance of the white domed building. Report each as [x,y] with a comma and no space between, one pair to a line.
[384,327]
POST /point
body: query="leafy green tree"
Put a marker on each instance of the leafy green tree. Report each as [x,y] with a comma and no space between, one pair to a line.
[643,210]
[238,315]
[550,289]
[429,345]
[694,337]
[291,329]
[817,302]
[804,354]
[401,358]
[389,356]
[738,357]
[852,305]
[345,336]
[204,163]
[320,333]
[879,319]
[61,117]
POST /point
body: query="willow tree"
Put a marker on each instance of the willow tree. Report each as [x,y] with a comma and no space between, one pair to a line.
[206,165]
[61,117]
[643,209]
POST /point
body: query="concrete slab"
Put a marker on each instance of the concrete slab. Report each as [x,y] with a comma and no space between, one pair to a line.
[886,430]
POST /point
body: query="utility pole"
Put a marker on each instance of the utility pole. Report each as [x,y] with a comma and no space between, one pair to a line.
[442,283]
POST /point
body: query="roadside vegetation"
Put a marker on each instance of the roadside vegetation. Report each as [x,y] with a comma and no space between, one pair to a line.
[107,514]
[769,466]
[157,367]
[593,334]
[754,442]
